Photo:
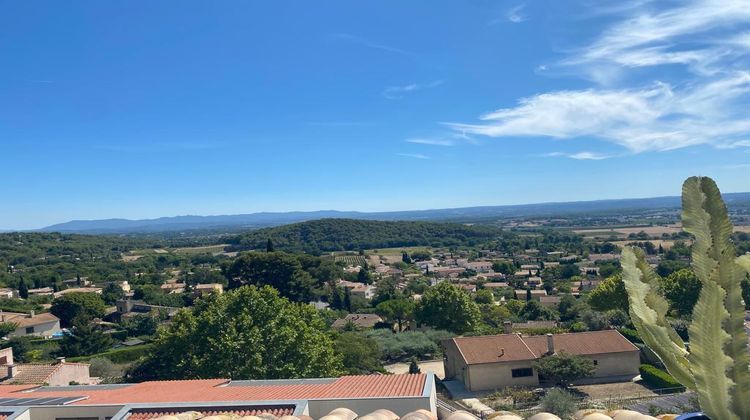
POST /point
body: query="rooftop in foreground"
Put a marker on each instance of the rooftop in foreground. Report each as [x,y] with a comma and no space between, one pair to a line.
[363,386]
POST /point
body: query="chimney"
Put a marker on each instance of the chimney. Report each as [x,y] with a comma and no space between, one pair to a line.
[32,313]
[60,360]
[550,344]
[502,353]
[12,371]
[508,327]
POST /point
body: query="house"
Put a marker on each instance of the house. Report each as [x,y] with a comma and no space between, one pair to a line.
[74,281]
[365,291]
[205,289]
[42,291]
[549,301]
[59,373]
[127,308]
[173,287]
[535,294]
[534,281]
[479,266]
[347,397]
[471,288]
[41,325]
[499,361]
[363,321]
[496,285]
[97,290]
[6,293]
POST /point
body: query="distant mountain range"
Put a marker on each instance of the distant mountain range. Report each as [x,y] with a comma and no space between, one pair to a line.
[466,214]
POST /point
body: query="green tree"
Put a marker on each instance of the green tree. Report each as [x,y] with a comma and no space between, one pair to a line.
[534,311]
[7,328]
[23,289]
[295,277]
[247,333]
[414,367]
[84,339]
[269,245]
[504,267]
[609,294]
[112,293]
[21,347]
[396,310]
[667,267]
[360,354]
[447,307]
[78,306]
[405,258]
[140,325]
[682,289]
[484,297]
[363,276]
[563,368]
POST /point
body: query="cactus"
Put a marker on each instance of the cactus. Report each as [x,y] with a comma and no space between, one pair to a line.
[716,364]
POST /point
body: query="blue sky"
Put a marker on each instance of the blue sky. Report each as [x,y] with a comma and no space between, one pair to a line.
[158,108]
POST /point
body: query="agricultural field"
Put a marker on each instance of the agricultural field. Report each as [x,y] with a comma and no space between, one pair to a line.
[352,260]
[211,249]
[652,231]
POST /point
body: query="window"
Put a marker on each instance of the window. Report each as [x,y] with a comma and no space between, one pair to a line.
[596,362]
[29,330]
[522,372]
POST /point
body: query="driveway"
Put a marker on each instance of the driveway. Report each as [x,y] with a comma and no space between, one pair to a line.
[434,366]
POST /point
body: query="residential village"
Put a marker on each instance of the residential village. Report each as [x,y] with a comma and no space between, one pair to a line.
[476,323]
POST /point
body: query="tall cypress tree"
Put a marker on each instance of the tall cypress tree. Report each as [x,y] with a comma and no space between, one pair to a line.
[23,290]
[269,245]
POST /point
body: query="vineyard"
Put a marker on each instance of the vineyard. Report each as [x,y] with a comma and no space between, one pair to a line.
[352,260]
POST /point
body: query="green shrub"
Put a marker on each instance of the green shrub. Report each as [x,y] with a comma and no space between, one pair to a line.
[631,335]
[560,402]
[121,355]
[408,344]
[658,378]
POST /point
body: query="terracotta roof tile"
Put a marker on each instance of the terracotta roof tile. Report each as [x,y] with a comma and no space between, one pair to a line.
[512,347]
[32,373]
[372,386]
[493,348]
[278,411]
[583,343]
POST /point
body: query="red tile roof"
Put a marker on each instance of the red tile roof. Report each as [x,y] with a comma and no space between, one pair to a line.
[512,347]
[144,414]
[583,343]
[363,386]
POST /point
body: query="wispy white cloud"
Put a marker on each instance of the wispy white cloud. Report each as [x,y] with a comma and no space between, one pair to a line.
[431,141]
[705,105]
[369,44]
[414,155]
[685,35]
[398,92]
[514,15]
[580,155]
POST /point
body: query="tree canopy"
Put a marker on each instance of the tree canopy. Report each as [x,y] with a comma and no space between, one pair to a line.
[609,294]
[78,306]
[297,277]
[350,235]
[447,307]
[564,368]
[247,333]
